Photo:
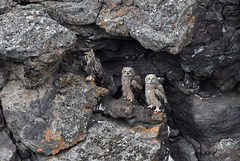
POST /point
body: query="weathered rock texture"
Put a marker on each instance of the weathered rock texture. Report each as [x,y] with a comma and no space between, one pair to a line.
[111,140]
[216,43]
[74,12]
[49,109]
[7,149]
[207,117]
[29,36]
[6,5]
[50,118]
[157,25]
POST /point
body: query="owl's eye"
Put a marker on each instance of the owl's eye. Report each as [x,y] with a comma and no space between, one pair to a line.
[124,71]
[130,71]
[153,79]
[148,78]
[89,56]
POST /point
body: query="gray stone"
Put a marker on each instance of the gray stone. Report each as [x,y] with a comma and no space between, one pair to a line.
[114,140]
[216,44]
[227,149]
[86,44]
[7,148]
[30,36]
[226,2]
[157,25]
[3,73]
[51,118]
[2,121]
[91,32]
[231,14]
[74,12]
[183,150]
[134,113]
[27,31]
[6,5]
[207,116]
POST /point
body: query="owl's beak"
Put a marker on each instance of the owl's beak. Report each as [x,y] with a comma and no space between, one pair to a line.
[127,73]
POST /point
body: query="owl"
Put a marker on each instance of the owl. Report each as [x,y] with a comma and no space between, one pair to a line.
[131,86]
[93,67]
[154,92]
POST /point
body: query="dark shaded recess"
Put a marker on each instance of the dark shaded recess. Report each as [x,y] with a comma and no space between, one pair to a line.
[25,2]
[118,94]
[3,126]
[2,120]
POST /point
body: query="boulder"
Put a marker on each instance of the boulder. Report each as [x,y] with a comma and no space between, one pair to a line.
[134,113]
[207,117]
[183,150]
[73,12]
[114,140]
[2,121]
[4,74]
[8,151]
[215,48]
[53,117]
[157,25]
[33,40]
[6,5]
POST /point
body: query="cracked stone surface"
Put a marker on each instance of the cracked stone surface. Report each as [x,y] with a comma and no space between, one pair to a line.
[111,140]
[6,5]
[157,25]
[31,37]
[7,148]
[48,111]
[74,12]
[50,118]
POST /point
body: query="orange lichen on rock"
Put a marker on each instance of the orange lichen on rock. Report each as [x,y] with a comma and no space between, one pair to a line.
[112,14]
[93,83]
[189,18]
[40,149]
[101,21]
[47,135]
[153,130]
[61,144]
[111,4]
[55,152]
[102,91]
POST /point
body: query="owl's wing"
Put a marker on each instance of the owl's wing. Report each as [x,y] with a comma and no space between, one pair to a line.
[136,82]
[98,68]
[159,92]
[136,87]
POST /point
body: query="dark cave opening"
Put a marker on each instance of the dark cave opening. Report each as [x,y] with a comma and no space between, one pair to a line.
[118,94]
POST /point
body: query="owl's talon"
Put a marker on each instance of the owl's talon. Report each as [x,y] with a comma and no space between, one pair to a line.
[130,98]
[89,78]
[150,106]
[157,109]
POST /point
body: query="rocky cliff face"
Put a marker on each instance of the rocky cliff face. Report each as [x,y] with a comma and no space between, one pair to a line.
[48,111]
